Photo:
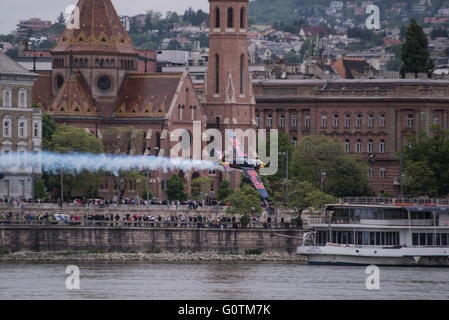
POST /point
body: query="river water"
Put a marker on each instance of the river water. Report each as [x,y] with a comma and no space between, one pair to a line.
[218,280]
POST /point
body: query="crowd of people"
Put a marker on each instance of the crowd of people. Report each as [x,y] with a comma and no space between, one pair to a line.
[136,220]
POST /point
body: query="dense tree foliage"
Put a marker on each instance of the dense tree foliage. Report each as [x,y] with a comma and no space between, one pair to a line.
[127,141]
[303,195]
[415,54]
[68,139]
[224,191]
[426,165]
[246,201]
[345,174]
[175,188]
[200,188]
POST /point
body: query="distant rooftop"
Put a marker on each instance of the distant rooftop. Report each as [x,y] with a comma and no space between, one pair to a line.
[9,66]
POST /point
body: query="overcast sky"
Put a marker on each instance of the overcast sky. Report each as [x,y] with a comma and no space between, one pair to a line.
[11,11]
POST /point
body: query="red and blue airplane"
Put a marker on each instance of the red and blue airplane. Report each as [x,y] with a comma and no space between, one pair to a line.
[241,162]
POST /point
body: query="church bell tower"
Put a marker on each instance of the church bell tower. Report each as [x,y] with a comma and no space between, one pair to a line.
[229,98]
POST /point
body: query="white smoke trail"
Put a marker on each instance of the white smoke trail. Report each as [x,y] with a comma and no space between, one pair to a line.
[77,162]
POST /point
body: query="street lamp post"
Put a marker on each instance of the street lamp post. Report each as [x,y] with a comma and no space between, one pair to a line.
[400,177]
[322,177]
[62,187]
[286,175]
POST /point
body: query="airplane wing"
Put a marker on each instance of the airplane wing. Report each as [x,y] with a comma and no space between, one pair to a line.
[238,152]
[255,179]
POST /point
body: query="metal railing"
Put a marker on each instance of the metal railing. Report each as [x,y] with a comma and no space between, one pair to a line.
[395,201]
[142,224]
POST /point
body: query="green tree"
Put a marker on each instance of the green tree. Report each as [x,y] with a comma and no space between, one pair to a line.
[201,187]
[245,202]
[60,19]
[48,129]
[146,191]
[415,54]
[40,190]
[426,164]
[68,139]
[292,57]
[224,191]
[125,141]
[303,195]
[175,188]
[345,174]
[173,45]
[276,184]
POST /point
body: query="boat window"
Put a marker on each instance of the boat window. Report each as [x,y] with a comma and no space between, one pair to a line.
[429,239]
[415,239]
[422,239]
[444,239]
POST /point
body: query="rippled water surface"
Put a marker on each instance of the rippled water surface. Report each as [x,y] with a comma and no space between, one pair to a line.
[213,281]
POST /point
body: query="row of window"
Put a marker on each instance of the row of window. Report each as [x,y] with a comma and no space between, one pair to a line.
[369,146]
[347,121]
[294,123]
[99,63]
[382,173]
[7,128]
[363,238]
[430,239]
[230,18]
[20,159]
[181,112]
[8,94]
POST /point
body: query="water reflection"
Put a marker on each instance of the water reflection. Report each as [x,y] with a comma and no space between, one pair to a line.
[223,280]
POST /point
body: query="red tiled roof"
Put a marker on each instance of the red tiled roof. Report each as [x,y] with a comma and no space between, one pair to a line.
[391,42]
[73,98]
[101,31]
[42,90]
[147,94]
[349,68]
[314,31]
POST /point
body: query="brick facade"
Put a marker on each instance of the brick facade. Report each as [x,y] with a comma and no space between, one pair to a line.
[372,117]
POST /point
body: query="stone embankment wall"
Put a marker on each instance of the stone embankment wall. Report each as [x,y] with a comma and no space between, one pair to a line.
[122,239]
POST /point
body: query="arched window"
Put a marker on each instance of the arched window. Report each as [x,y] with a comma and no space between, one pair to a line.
[230,18]
[358,146]
[22,98]
[158,141]
[7,127]
[347,146]
[370,146]
[22,128]
[7,97]
[335,121]
[179,112]
[295,141]
[242,65]
[217,18]
[59,81]
[382,146]
[217,73]
[242,18]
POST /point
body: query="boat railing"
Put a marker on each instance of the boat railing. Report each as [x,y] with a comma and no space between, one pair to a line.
[395,201]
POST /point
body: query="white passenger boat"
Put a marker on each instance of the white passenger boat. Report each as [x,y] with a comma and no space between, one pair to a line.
[400,235]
